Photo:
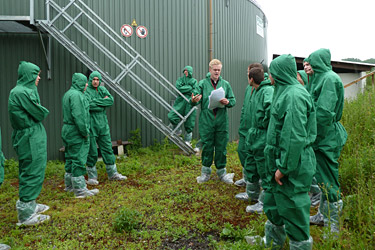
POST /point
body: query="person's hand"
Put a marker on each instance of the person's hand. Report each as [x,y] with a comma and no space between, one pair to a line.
[278,176]
[195,98]
[224,101]
[105,97]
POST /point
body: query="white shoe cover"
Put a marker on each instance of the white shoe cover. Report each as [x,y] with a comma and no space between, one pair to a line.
[118,177]
[34,220]
[93,182]
[41,208]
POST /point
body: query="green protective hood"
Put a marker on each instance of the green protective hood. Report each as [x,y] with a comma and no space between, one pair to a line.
[79,81]
[266,80]
[208,75]
[283,70]
[27,74]
[320,60]
[189,70]
[266,77]
[303,75]
[91,77]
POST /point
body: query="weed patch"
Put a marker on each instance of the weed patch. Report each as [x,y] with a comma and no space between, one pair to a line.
[127,220]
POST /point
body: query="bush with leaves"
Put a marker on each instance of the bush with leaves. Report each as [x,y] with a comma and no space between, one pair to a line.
[127,220]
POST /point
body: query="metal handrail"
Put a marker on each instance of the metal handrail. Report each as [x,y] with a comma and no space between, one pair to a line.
[110,55]
[71,47]
[361,78]
[125,68]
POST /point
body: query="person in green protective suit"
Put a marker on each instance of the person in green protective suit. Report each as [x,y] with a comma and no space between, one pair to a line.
[242,131]
[260,106]
[213,124]
[29,140]
[290,160]
[327,92]
[306,76]
[75,136]
[2,159]
[310,75]
[302,77]
[99,99]
[185,84]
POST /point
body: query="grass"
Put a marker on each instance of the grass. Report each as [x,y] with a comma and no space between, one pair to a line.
[161,206]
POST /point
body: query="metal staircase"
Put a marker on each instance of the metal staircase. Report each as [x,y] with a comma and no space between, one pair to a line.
[120,59]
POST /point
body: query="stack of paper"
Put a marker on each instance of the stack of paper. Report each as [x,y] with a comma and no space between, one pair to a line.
[215,97]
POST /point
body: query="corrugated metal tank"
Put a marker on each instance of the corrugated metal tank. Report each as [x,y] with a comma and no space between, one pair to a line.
[178,36]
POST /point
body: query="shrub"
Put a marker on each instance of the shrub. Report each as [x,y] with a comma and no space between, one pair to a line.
[135,139]
[234,233]
[127,220]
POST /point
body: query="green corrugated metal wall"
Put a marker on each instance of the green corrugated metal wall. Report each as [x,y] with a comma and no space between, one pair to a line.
[17,47]
[178,36]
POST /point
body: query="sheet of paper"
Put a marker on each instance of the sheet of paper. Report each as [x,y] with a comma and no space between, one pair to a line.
[215,97]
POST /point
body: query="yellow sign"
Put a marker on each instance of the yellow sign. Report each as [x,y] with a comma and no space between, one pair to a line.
[134,23]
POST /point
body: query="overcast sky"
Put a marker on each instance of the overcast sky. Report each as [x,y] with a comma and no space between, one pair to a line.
[346,27]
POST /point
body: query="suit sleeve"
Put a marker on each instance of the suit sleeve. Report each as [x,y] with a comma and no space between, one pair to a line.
[293,135]
[198,90]
[230,97]
[77,107]
[326,104]
[31,105]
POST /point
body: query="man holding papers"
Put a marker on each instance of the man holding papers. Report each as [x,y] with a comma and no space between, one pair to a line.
[213,121]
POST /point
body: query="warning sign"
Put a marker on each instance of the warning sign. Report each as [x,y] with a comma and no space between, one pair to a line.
[126,30]
[260,25]
[141,31]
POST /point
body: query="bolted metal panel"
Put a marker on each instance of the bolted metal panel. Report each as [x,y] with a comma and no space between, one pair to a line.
[178,35]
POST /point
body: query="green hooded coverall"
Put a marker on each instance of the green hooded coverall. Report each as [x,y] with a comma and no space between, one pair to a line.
[290,135]
[245,124]
[327,92]
[186,85]
[314,190]
[99,127]
[213,124]
[75,130]
[259,106]
[29,140]
[2,159]
[29,137]
[244,127]
[304,77]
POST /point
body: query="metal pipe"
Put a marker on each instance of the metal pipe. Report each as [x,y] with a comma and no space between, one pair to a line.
[210,49]
[49,53]
[32,21]
[48,11]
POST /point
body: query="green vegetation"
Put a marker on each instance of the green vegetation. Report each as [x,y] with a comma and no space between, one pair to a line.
[370,61]
[161,206]
[127,220]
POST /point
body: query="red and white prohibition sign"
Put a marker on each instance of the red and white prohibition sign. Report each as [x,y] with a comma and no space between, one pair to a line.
[126,30]
[141,31]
